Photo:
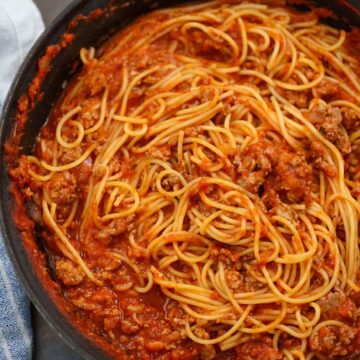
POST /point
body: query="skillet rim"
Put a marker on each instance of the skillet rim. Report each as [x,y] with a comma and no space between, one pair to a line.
[34,288]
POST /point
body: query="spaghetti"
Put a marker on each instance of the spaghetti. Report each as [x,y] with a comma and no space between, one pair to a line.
[210,152]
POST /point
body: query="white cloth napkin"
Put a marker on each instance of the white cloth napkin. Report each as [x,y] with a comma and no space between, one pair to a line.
[20,26]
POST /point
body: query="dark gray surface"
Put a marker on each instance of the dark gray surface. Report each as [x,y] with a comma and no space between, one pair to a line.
[51,8]
[47,343]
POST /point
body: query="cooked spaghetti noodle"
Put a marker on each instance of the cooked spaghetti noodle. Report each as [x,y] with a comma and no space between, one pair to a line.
[210,152]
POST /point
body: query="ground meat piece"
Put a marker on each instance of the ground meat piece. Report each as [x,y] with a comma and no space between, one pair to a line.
[337,306]
[193,131]
[287,173]
[253,165]
[123,278]
[259,349]
[129,328]
[333,341]
[115,165]
[95,82]
[104,297]
[351,119]
[327,89]
[315,155]
[83,172]
[21,172]
[270,198]
[159,152]
[291,177]
[275,167]
[207,352]
[62,188]
[298,98]
[70,155]
[154,346]
[227,256]
[89,115]
[252,181]
[286,212]
[175,315]
[235,281]
[111,323]
[201,333]
[203,45]
[116,228]
[69,273]
[171,181]
[182,354]
[317,149]
[174,338]
[260,151]
[99,301]
[107,263]
[84,303]
[327,119]
[329,170]
[135,344]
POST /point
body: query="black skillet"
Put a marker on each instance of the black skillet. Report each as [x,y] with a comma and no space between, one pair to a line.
[88,33]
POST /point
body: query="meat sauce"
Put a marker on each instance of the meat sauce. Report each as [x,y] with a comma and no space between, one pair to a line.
[151,326]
